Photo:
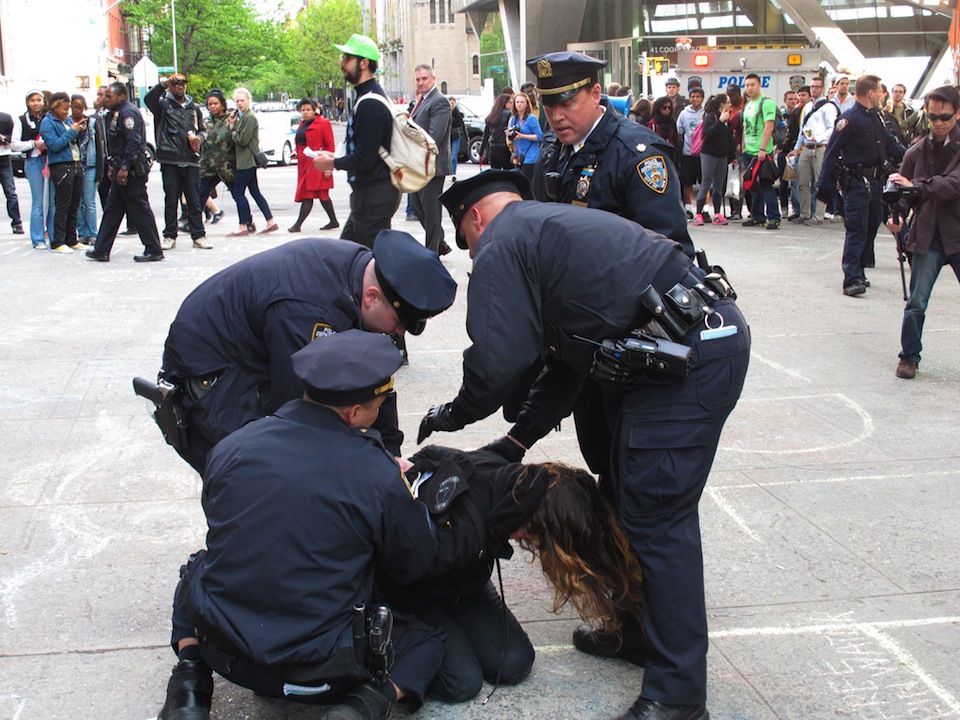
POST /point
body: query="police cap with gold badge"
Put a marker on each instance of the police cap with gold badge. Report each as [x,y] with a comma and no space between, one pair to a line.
[348,367]
[412,278]
[463,194]
[561,74]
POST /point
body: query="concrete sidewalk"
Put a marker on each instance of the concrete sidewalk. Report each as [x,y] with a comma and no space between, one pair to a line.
[829,523]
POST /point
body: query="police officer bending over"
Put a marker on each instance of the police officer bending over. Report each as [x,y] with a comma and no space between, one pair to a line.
[932,169]
[672,356]
[860,153]
[228,350]
[596,158]
[128,170]
[279,600]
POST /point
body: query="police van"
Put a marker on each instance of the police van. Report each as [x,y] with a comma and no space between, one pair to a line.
[781,68]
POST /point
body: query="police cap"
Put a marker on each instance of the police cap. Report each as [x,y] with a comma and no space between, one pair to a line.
[412,278]
[463,194]
[348,367]
[560,75]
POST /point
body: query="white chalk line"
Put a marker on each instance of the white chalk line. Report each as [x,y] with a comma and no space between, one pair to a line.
[778,367]
[714,494]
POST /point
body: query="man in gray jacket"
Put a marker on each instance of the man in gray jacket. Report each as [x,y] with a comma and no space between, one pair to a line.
[432,113]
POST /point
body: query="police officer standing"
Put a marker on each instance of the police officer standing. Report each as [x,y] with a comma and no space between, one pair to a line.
[128,171]
[596,158]
[543,282]
[229,347]
[280,600]
[859,155]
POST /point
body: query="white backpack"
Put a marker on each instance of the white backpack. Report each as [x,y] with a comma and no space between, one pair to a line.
[413,153]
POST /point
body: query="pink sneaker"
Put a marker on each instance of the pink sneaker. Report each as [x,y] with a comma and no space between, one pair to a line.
[720,220]
[698,220]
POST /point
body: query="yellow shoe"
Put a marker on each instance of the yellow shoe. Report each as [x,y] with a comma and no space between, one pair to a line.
[79,246]
[63,249]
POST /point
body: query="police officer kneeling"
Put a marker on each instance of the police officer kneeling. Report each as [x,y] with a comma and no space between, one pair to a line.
[303,508]
[672,356]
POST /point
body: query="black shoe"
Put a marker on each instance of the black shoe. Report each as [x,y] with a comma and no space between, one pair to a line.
[189,692]
[865,282]
[217,217]
[793,218]
[184,228]
[753,223]
[773,226]
[364,702]
[444,248]
[332,225]
[148,258]
[594,642]
[856,288]
[644,709]
[98,256]
[17,229]
[128,231]
[293,229]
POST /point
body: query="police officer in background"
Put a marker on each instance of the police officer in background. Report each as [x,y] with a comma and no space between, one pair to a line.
[229,347]
[560,280]
[128,170]
[280,600]
[596,158]
[860,153]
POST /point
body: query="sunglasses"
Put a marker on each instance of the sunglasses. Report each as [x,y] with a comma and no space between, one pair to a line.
[666,107]
[178,82]
[946,117]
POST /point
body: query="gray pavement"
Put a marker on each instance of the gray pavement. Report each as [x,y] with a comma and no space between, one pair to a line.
[830,535]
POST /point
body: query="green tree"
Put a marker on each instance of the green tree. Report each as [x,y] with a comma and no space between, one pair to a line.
[223,43]
[311,61]
[493,55]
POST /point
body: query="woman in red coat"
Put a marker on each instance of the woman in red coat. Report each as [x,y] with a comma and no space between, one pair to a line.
[314,133]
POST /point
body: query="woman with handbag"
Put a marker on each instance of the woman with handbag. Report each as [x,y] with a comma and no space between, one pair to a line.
[526,134]
[314,133]
[245,132]
[478,502]
[717,151]
[495,134]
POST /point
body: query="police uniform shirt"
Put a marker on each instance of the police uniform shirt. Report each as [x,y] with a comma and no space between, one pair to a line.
[623,168]
[302,510]
[125,136]
[859,138]
[542,274]
[252,316]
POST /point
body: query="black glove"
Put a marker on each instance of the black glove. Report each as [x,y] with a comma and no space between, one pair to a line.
[506,448]
[824,195]
[440,417]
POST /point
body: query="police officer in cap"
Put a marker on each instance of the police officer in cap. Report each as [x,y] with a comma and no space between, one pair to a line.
[271,603]
[543,283]
[596,158]
[128,170]
[860,154]
[230,344]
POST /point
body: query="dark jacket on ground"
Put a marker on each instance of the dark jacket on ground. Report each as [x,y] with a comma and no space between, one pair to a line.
[172,121]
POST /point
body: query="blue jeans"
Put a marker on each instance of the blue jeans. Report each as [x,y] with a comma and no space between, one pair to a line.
[248,179]
[454,152]
[87,219]
[923,274]
[765,206]
[33,169]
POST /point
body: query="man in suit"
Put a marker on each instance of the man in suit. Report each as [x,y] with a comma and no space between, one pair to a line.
[432,113]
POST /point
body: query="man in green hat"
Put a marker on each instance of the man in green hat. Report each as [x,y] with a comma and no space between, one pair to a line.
[373,199]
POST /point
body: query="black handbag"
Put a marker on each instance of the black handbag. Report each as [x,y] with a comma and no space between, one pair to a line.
[260,158]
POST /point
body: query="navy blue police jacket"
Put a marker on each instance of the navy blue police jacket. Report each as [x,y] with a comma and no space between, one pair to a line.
[302,512]
[248,319]
[126,141]
[544,276]
[631,173]
[859,137]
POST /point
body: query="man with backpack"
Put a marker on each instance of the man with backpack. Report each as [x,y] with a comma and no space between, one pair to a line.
[373,198]
[816,126]
[759,123]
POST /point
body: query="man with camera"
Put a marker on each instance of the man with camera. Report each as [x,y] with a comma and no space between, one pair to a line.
[932,166]
[667,350]
[859,155]
[303,509]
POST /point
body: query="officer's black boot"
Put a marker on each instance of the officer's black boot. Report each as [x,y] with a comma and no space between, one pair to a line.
[632,646]
[364,702]
[644,709]
[189,692]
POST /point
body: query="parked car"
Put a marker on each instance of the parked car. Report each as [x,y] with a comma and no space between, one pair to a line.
[278,130]
[475,109]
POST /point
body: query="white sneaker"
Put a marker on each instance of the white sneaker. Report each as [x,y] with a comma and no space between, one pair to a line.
[201,243]
[828,216]
[168,243]
[63,249]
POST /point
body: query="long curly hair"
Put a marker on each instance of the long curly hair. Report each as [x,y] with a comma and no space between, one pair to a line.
[583,550]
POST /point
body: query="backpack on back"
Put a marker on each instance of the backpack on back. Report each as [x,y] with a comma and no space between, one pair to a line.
[413,153]
[779,126]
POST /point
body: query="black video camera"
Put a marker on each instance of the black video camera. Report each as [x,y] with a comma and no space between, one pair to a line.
[893,193]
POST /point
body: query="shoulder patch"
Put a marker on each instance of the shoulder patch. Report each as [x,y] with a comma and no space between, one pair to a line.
[841,124]
[653,172]
[129,123]
[321,330]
